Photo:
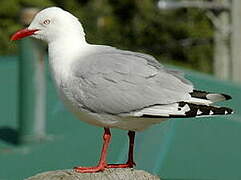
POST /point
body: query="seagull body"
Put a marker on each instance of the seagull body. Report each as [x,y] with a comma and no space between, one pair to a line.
[112,88]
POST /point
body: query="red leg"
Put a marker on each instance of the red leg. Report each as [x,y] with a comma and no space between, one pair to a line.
[102,163]
[130,162]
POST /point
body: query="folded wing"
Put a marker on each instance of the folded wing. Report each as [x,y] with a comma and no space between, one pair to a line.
[117,81]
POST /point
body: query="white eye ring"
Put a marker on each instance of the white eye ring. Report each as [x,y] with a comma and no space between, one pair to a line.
[46,22]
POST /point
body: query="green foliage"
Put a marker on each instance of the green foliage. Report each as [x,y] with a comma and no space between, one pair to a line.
[182,37]
[9,18]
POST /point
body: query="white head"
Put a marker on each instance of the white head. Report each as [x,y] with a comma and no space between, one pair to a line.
[52,24]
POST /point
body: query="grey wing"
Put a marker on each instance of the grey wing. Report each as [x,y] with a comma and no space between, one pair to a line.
[122,81]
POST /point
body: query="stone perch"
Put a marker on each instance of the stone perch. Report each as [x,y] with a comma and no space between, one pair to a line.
[108,174]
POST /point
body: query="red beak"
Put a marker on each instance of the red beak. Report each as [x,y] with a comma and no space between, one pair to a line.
[23,33]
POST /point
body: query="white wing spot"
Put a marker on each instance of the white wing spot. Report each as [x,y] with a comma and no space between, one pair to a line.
[226,112]
[199,112]
[186,108]
[211,112]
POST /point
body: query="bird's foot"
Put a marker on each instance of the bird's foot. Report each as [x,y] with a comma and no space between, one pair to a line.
[102,167]
[94,169]
[126,165]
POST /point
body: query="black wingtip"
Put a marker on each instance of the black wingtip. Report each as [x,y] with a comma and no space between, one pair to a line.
[227,97]
[194,110]
[215,97]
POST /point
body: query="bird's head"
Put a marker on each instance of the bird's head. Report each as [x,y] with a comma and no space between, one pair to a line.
[52,24]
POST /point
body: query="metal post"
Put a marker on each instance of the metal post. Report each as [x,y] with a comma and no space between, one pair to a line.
[236,40]
[219,13]
[200,4]
[222,55]
[31,88]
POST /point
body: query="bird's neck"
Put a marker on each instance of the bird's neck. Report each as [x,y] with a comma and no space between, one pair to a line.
[66,47]
[62,53]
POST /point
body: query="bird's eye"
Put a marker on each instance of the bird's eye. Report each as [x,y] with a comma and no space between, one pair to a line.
[46,22]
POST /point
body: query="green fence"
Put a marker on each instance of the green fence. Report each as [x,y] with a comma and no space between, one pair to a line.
[202,148]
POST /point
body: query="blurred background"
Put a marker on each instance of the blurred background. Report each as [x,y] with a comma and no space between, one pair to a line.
[181,36]
[199,37]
